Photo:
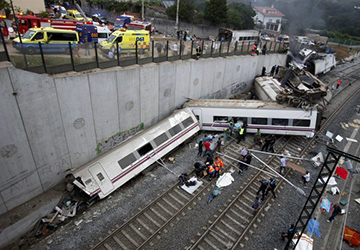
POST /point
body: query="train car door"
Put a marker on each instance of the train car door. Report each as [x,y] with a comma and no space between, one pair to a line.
[198,115]
[101,178]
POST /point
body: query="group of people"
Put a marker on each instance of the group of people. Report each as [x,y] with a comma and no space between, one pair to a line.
[212,167]
[256,50]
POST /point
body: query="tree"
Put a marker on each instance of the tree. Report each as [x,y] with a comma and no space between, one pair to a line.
[186,11]
[241,16]
[4,5]
[216,11]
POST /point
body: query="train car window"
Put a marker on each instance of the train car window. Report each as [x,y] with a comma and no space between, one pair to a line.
[186,123]
[197,117]
[127,160]
[220,119]
[88,181]
[280,122]
[145,149]
[260,121]
[174,130]
[240,119]
[301,123]
[100,176]
[161,139]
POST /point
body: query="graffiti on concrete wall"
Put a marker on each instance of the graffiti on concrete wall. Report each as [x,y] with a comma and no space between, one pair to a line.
[8,151]
[237,88]
[117,138]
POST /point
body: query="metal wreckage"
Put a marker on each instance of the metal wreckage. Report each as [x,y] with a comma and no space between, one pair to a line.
[296,85]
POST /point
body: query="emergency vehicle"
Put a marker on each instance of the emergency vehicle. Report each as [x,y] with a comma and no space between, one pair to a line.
[138,25]
[52,40]
[126,40]
[91,33]
[27,21]
[123,21]
[4,28]
[75,15]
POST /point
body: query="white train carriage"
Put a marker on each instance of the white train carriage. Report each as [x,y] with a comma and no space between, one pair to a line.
[106,173]
[269,117]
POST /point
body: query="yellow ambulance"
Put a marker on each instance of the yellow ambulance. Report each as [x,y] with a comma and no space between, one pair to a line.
[127,40]
[75,15]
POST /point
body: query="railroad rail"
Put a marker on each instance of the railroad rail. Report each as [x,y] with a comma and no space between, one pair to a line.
[232,225]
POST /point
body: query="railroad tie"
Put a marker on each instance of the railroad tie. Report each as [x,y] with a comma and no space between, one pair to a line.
[137,231]
[145,225]
[120,243]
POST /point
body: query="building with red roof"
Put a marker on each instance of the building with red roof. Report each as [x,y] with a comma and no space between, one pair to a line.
[268,19]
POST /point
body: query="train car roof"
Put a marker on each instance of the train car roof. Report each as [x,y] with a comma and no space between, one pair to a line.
[235,103]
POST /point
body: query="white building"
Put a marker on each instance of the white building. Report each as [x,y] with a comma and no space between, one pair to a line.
[269,19]
[36,6]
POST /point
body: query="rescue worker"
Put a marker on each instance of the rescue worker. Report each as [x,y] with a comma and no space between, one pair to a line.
[198,51]
[219,165]
[199,168]
[211,171]
[253,49]
[241,134]
[257,137]
[289,234]
[262,188]
[271,187]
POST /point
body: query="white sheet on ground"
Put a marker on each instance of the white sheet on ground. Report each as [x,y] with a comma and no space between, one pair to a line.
[318,159]
[191,189]
[305,243]
[224,180]
[331,182]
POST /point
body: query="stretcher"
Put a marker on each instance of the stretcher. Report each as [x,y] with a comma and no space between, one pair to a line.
[296,167]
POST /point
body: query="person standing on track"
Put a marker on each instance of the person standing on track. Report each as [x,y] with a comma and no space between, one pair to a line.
[306,178]
[271,187]
[256,205]
[262,188]
[283,161]
[200,148]
[207,147]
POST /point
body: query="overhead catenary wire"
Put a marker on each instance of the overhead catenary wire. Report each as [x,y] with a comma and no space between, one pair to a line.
[279,175]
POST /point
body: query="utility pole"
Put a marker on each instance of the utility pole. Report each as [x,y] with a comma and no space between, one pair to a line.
[142,10]
[17,27]
[177,15]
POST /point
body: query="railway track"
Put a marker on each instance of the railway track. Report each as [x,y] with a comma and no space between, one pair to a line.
[231,226]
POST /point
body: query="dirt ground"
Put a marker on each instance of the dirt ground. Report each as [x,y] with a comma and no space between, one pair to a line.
[343,52]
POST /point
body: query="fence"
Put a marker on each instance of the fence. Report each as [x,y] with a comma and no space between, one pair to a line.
[91,56]
[343,42]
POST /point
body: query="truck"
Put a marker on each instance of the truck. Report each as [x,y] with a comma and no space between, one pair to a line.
[123,21]
[138,25]
[26,22]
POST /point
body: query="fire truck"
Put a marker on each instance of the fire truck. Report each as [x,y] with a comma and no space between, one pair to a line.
[4,28]
[27,21]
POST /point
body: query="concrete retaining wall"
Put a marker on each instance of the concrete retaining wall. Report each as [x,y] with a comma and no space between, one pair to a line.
[53,123]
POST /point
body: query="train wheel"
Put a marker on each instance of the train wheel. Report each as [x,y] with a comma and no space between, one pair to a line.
[280,98]
[295,102]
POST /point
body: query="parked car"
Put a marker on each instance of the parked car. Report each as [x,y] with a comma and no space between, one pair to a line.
[265,38]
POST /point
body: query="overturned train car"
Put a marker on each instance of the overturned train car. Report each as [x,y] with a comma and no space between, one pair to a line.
[106,173]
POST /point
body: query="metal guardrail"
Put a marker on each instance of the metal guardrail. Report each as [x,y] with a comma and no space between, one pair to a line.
[90,56]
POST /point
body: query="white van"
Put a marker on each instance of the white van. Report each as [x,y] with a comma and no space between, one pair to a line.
[103,33]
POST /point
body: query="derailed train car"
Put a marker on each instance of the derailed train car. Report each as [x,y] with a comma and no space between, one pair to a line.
[103,175]
[269,117]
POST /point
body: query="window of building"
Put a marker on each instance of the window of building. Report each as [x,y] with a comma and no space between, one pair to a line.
[259,121]
[127,160]
[280,122]
[301,123]
[145,149]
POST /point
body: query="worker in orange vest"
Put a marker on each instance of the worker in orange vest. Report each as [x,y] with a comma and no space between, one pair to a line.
[211,171]
[218,166]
